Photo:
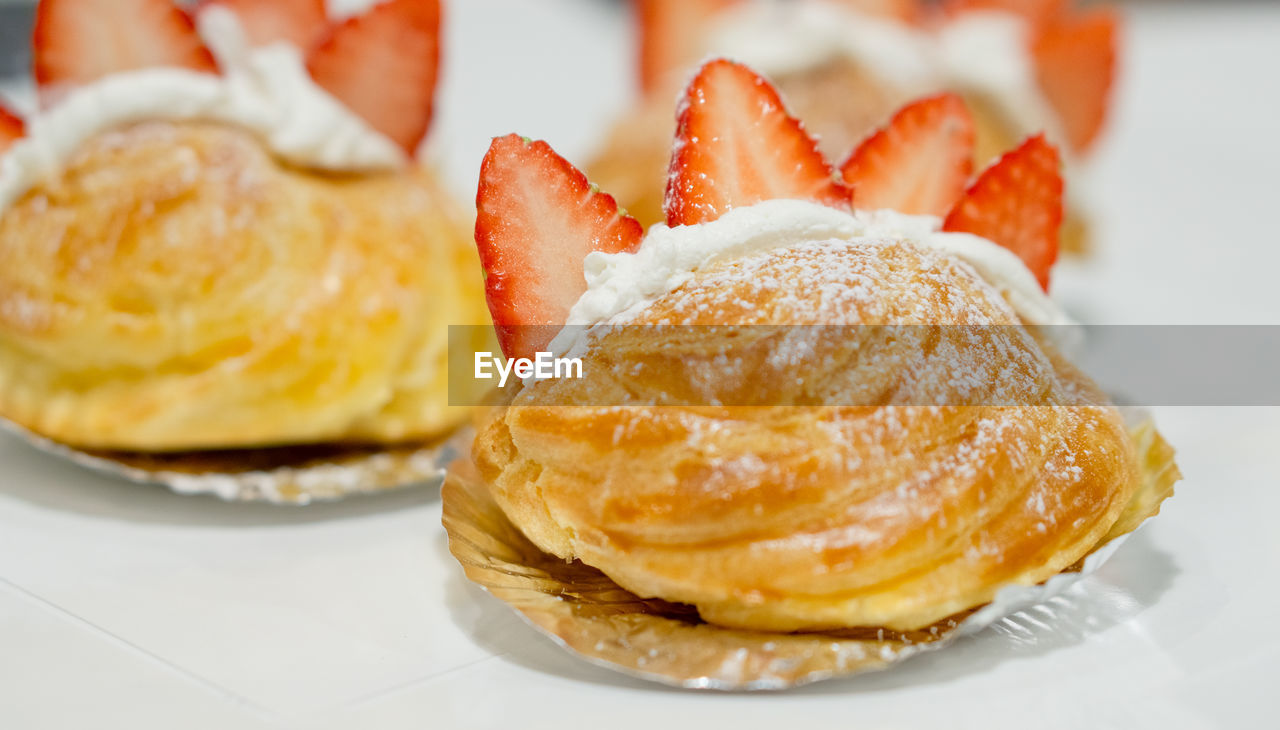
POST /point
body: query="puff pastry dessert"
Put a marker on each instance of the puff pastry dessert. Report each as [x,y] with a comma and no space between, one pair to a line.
[830,492]
[1022,67]
[216,234]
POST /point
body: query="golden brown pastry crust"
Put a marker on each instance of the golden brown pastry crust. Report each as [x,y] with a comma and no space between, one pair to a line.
[177,287]
[665,642]
[810,517]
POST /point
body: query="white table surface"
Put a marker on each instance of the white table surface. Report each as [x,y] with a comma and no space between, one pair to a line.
[125,606]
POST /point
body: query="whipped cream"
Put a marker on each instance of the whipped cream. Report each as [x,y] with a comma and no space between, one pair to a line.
[265,90]
[621,285]
[987,52]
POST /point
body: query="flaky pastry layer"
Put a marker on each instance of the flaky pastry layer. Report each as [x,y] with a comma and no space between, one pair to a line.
[803,516]
[176,287]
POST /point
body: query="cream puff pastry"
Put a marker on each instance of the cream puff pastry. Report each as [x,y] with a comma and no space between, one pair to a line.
[831,495]
[1022,67]
[216,235]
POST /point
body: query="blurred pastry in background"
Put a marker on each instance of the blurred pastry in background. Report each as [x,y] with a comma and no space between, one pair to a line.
[216,233]
[1022,66]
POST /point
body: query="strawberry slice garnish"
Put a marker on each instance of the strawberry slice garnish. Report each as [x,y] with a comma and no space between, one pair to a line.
[11,128]
[537,219]
[737,145]
[300,22]
[919,163]
[1036,12]
[1017,203]
[672,34]
[79,41]
[383,65]
[1075,65]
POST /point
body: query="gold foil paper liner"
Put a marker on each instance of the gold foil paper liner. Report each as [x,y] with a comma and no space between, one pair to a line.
[281,475]
[585,612]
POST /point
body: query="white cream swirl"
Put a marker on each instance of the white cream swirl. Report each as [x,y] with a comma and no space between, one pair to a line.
[265,90]
[621,285]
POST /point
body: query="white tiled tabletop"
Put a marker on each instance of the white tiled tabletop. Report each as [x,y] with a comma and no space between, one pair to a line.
[124,606]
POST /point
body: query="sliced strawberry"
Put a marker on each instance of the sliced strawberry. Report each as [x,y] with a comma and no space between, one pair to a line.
[1037,12]
[1017,203]
[1076,65]
[79,41]
[919,164]
[737,145]
[672,37]
[537,219]
[11,128]
[300,22]
[383,66]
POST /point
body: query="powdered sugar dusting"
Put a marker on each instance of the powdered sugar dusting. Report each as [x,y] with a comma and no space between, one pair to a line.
[884,356]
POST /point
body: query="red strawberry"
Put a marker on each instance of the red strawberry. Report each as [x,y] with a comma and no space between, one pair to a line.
[11,128]
[300,22]
[1037,12]
[672,34]
[919,163]
[537,218]
[383,65]
[736,145]
[79,41]
[1017,203]
[1076,64]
